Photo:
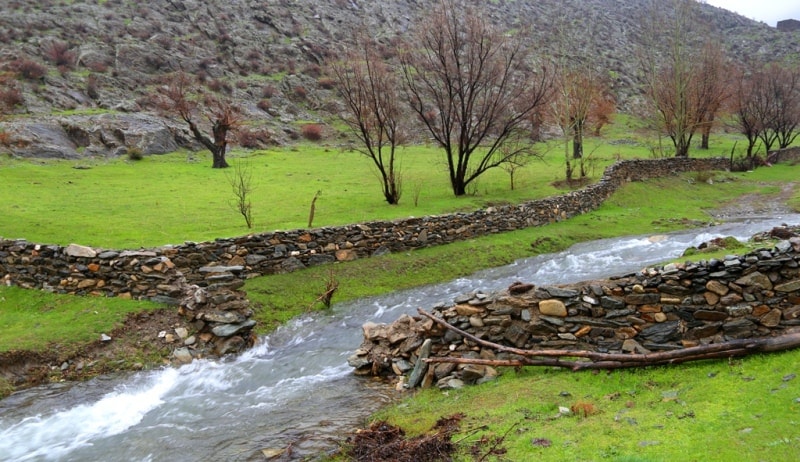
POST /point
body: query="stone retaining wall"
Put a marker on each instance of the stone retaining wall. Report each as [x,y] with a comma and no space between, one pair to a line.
[155,273]
[660,308]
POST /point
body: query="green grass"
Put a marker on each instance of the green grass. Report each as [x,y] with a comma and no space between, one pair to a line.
[116,203]
[744,409]
[35,320]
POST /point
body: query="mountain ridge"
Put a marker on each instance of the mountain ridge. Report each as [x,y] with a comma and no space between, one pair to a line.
[103,60]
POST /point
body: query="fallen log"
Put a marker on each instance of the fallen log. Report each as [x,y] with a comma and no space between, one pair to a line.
[596,360]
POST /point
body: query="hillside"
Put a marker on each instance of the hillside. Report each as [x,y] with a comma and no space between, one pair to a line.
[86,68]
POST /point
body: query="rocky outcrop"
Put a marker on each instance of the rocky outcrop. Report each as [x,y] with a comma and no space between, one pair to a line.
[657,309]
[103,135]
[114,53]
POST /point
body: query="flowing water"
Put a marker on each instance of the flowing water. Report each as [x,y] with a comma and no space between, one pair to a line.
[294,388]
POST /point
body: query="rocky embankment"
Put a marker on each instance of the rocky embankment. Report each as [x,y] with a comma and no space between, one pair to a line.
[663,308]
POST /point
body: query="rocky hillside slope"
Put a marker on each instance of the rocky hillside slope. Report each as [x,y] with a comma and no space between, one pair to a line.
[85,69]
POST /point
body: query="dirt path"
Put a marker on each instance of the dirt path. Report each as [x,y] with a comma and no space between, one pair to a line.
[757,205]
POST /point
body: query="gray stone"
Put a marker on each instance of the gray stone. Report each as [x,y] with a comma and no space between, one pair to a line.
[450,383]
[737,311]
[421,367]
[182,355]
[224,317]
[75,250]
[561,293]
[611,303]
[738,328]
[791,286]
[227,330]
[661,332]
[755,279]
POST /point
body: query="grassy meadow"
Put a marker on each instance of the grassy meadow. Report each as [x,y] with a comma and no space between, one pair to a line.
[746,409]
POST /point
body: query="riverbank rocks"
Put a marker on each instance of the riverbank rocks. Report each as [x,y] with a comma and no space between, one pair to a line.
[656,309]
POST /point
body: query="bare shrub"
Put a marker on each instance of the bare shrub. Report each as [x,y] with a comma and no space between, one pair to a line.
[254,138]
[29,69]
[313,70]
[59,53]
[220,86]
[10,94]
[240,180]
[264,105]
[91,86]
[326,83]
[269,91]
[312,132]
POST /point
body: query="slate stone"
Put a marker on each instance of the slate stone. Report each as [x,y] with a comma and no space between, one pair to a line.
[661,332]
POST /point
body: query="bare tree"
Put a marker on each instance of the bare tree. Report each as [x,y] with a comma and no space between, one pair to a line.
[684,86]
[241,184]
[748,106]
[579,93]
[786,88]
[473,88]
[767,105]
[370,91]
[179,96]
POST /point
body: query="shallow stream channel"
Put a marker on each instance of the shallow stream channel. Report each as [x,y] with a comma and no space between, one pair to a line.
[294,389]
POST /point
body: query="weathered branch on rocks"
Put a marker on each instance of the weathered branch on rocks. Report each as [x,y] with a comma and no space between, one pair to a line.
[595,360]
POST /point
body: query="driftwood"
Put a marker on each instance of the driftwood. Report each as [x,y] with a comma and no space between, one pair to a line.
[595,360]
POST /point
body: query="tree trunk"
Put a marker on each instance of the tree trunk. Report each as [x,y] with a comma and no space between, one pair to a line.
[218,155]
[220,130]
[577,141]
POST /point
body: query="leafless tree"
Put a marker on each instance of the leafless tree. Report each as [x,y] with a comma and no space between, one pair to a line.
[785,82]
[241,185]
[767,105]
[180,97]
[579,93]
[745,110]
[472,87]
[684,86]
[371,93]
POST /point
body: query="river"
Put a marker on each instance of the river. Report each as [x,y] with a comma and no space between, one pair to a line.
[294,389]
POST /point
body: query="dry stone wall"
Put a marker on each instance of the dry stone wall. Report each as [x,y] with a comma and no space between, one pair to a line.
[158,273]
[660,308]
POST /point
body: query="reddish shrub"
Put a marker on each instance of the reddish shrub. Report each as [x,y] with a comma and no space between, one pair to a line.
[326,83]
[312,132]
[313,70]
[97,66]
[264,105]
[253,139]
[220,86]
[29,69]
[59,54]
[300,92]
[269,91]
